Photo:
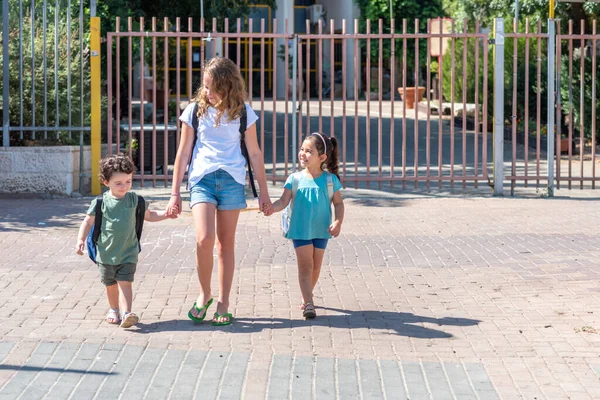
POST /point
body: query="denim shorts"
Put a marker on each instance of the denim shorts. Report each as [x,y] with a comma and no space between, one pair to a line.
[220,189]
[317,243]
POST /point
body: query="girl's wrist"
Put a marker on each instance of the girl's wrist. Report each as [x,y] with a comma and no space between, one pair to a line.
[175,195]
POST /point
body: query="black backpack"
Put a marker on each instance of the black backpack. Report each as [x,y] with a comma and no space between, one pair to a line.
[92,238]
[243,122]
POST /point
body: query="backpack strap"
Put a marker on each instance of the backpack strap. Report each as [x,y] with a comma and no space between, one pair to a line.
[140,211]
[243,123]
[97,220]
[330,186]
[195,127]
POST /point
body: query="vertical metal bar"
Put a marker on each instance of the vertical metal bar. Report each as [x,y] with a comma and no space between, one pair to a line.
[428,86]
[95,103]
[166,93]
[368,96]
[300,94]
[81,173]
[356,69]
[581,105]
[21,68]
[307,80]
[239,43]
[178,71]
[129,85]
[539,105]
[33,73]
[441,107]
[452,88]
[286,86]
[142,94]
[551,94]
[250,62]
[226,29]
[45,63]
[499,107]
[484,145]
[464,100]
[274,91]
[570,103]
[380,119]
[594,51]
[416,121]
[57,116]
[404,97]
[262,83]
[81,107]
[320,74]
[5,72]
[214,29]
[109,92]
[344,53]
[393,96]
[476,140]
[294,94]
[154,76]
[332,78]
[513,119]
[526,89]
[118,83]
[559,101]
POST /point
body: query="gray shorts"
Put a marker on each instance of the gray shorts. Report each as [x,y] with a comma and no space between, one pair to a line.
[111,274]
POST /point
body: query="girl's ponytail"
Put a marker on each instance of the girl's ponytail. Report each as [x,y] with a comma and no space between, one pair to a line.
[333,158]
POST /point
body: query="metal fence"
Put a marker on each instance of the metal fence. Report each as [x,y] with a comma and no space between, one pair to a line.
[45,72]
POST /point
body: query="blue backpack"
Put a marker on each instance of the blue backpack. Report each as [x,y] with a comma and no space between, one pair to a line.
[92,237]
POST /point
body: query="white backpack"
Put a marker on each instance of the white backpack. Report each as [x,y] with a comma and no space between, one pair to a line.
[286,215]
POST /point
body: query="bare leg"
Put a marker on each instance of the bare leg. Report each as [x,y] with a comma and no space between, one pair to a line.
[112,295]
[204,222]
[317,263]
[226,227]
[304,254]
[127,293]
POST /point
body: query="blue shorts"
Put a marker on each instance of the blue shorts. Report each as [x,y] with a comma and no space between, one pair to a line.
[317,243]
[220,189]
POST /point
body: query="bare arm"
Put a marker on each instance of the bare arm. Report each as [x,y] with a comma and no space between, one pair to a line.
[184,152]
[155,216]
[258,166]
[84,230]
[282,202]
[338,207]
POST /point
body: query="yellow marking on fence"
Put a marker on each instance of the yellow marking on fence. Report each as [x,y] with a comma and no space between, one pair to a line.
[95,76]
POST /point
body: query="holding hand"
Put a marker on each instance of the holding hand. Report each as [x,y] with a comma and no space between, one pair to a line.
[174,206]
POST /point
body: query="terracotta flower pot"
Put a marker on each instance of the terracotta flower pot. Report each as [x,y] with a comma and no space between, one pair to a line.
[411,97]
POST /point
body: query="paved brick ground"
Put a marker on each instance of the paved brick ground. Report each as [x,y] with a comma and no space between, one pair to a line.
[421,297]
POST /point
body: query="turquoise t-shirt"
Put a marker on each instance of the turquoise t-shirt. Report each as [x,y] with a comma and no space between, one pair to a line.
[311,213]
[118,243]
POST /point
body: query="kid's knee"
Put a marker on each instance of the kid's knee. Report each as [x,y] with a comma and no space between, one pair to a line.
[205,243]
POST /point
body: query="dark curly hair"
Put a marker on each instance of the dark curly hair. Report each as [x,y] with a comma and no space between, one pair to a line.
[115,163]
[332,163]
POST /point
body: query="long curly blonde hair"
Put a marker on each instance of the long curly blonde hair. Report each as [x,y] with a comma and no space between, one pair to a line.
[229,85]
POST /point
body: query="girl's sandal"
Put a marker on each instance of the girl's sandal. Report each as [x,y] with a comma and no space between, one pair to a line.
[129,320]
[200,311]
[309,311]
[112,317]
[217,317]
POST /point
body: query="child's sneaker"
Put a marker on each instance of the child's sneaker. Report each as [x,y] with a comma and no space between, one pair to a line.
[129,320]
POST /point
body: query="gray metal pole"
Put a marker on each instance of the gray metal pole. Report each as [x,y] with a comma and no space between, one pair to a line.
[294,94]
[92,8]
[498,107]
[517,11]
[551,104]
[5,72]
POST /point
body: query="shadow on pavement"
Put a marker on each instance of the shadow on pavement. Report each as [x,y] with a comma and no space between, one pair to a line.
[403,324]
[50,369]
[27,214]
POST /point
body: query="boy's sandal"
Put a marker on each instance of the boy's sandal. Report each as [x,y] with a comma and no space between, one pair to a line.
[112,317]
[309,311]
[199,311]
[129,320]
[217,317]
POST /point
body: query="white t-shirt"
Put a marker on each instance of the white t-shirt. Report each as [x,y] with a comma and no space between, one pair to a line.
[217,147]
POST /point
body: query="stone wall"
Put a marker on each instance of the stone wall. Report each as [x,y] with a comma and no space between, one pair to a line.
[45,170]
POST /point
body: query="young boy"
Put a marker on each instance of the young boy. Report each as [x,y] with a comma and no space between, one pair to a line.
[118,249]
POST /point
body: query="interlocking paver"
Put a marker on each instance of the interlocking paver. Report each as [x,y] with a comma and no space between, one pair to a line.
[421,296]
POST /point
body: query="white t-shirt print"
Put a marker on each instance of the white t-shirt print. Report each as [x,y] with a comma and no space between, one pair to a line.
[217,147]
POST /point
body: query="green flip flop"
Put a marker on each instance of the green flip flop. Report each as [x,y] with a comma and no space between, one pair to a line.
[217,316]
[199,310]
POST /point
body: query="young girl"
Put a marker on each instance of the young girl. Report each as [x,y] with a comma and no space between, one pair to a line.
[216,177]
[310,225]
